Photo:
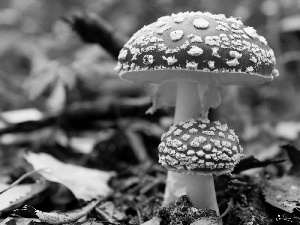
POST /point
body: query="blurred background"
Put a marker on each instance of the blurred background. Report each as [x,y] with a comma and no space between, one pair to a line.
[47,69]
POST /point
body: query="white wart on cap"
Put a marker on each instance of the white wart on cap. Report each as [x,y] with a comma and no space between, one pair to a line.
[194,41]
[198,146]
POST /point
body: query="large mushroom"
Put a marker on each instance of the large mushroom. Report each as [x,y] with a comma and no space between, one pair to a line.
[187,56]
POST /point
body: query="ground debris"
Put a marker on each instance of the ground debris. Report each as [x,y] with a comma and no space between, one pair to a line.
[181,212]
[56,217]
[286,219]
[15,196]
[248,205]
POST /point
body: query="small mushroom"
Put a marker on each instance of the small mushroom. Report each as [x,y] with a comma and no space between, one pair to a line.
[199,149]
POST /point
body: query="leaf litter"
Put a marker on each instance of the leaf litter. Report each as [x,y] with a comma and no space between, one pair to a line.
[84,183]
[138,190]
[56,217]
[18,194]
[284,192]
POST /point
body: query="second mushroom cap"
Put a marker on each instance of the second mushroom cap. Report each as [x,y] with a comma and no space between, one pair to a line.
[198,146]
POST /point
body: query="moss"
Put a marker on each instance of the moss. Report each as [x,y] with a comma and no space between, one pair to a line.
[181,212]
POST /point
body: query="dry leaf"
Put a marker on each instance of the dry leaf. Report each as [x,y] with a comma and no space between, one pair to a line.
[20,193]
[18,221]
[57,217]
[84,183]
[283,192]
[109,212]
[153,221]
[22,115]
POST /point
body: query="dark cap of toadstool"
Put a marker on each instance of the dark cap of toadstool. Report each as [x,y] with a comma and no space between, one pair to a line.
[197,42]
[198,146]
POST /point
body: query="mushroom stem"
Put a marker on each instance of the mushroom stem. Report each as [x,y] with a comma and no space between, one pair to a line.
[200,190]
[187,101]
[187,107]
[203,194]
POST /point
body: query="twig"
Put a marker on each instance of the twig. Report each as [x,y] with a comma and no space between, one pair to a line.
[251,163]
[137,145]
[104,215]
[83,116]
[21,179]
[229,207]
[139,215]
[94,29]
[28,126]
[148,187]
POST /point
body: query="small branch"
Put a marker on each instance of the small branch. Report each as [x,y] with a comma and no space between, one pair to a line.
[95,30]
[230,204]
[251,163]
[28,126]
[104,215]
[137,145]
[83,116]
[139,215]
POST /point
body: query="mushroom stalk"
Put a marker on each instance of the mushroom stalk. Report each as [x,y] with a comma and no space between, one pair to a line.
[200,190]
[203,194]
[187,101]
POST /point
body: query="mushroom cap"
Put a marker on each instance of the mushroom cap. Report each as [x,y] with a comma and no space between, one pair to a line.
[198,146]
[197,42]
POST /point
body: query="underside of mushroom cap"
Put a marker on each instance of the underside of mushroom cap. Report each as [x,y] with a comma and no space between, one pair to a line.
[198,146]
[194,42]
[220,78]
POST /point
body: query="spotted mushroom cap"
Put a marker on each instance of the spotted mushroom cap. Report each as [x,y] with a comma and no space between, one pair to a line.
[194,41]
[198,146]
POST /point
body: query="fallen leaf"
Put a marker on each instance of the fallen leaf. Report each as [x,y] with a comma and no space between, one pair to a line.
[283,192]
[57,217]
[85,142]
[18,194]
[153,221]
[84,183]
[17,221]
[31,221]
[109,212]
[22,115]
